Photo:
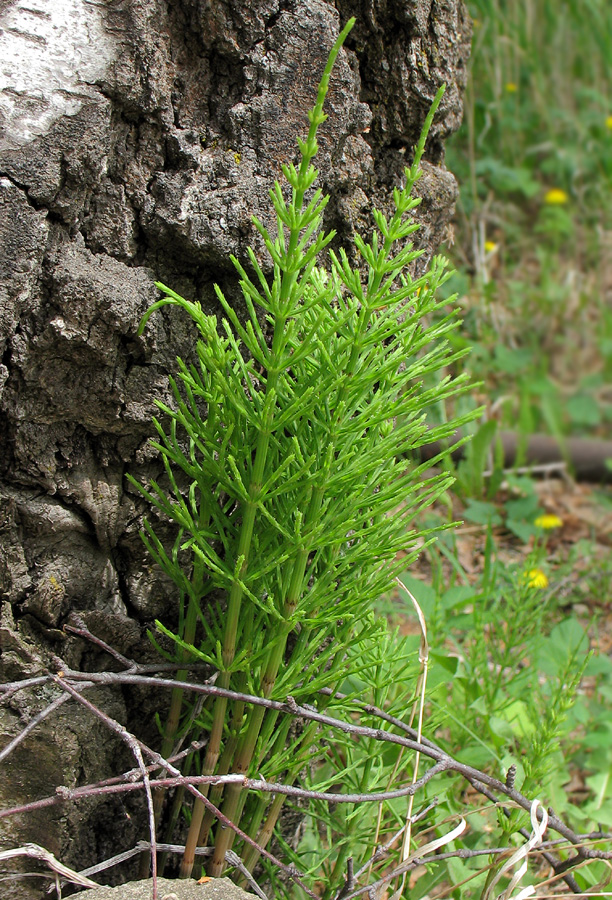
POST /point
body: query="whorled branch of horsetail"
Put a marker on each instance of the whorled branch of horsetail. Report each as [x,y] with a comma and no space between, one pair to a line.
[377,297]
[303,219]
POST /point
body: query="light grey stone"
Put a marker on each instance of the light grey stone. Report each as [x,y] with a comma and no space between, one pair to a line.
[215,889]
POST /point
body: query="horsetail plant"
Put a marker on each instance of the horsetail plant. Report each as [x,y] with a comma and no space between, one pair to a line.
[286,455]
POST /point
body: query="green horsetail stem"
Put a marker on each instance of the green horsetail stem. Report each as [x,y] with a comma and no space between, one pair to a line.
[294,445]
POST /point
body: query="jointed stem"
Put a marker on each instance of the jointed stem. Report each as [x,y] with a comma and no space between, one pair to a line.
[289,278]
[246,479]
[276,366]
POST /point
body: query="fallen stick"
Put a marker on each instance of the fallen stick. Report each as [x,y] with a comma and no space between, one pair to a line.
[585,457]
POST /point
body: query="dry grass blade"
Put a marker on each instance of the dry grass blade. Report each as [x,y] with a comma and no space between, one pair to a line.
[34,851]
[420,701]
[539,828]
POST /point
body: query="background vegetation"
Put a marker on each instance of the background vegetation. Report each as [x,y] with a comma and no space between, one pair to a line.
[533,230]
[517,599]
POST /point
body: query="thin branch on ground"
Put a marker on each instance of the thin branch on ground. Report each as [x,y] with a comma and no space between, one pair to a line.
[476,777]
[134,746]
[73,684]
[32,724]
[77,626]
[133,742]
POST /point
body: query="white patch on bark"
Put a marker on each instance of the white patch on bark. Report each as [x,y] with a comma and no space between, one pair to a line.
[51,52]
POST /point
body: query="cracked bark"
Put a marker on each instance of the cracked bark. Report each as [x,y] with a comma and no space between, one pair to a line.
[139,138]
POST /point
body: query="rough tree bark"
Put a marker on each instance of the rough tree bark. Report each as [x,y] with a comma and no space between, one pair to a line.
[139,136]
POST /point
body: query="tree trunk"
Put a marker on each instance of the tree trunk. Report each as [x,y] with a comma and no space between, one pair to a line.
[139,138]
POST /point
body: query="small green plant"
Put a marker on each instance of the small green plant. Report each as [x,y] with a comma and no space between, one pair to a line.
[506,671]
[286,478]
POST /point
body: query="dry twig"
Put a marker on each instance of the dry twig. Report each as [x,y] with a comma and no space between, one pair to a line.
[73,684]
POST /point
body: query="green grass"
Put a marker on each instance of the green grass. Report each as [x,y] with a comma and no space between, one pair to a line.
[513,685]
[538,104]
[512,681]
[534,222]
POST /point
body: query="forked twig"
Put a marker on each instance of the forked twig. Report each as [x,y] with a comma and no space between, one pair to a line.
[78,627]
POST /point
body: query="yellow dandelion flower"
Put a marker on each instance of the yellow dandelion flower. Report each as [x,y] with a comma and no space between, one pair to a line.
[490,246]
[536,578]
[511,87]
[555,197]
[548,521]
[609,123]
